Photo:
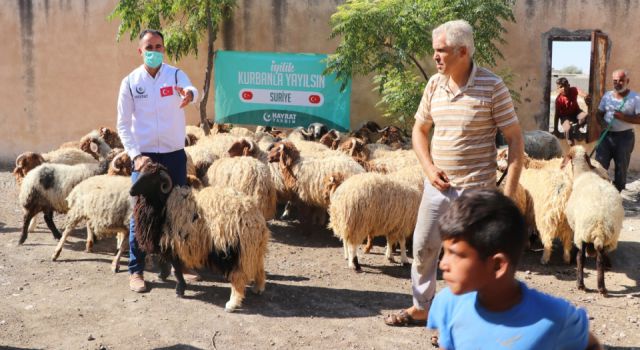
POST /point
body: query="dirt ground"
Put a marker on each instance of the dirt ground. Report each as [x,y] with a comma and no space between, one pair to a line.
[312,300]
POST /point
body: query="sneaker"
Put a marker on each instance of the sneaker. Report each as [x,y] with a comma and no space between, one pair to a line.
[136,283]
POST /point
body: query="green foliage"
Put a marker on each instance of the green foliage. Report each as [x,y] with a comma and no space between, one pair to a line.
[402,91]
[182,22]
[392,40]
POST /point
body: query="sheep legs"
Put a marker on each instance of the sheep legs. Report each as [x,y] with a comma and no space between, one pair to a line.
[237,292]
[259,283]
[33,224]
[353,257]
[181,286]
[122,241]
[403,253]
[67,231]
[369,245]
[580,266]
[48,218]
[28,216]
[567,245]
[91,237]
[600,257]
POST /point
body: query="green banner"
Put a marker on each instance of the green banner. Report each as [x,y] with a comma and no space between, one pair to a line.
[278,89]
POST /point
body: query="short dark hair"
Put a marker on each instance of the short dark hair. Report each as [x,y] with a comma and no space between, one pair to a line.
[562,81]
[488,221]
[152,31]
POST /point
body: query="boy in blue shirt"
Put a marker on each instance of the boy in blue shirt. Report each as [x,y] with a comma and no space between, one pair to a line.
[485,306]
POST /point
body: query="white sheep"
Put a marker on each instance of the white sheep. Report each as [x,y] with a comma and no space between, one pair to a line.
[550,189]
[246,175]
[303,177]
[46,188]
[215,227]
[371,204]
[103,201]
[594,213]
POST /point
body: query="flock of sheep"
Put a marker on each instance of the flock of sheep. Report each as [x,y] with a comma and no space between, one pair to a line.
[363,184]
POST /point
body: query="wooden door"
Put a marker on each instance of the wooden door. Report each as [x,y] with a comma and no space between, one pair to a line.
[597,81]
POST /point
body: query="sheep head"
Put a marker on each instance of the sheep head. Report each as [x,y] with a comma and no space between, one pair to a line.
[149,212]
[286,154]
[110,137]
[121,164]
[392,136]
[240,148]
[580,161]
[316,131]
[25,163]
[331,139]
[154,178]
[330,183]
[190,140]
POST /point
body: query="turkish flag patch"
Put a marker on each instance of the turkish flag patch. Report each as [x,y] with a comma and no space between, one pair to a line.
[166,91]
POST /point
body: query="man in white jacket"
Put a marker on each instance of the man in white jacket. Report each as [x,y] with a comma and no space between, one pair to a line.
[151,124]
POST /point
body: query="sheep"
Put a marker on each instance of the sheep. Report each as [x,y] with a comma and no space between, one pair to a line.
[246,175]
[299,134]
[26,161]
[242,132]
[194,130]
[111,137]
[331,139]
[553,163]
[104,202]
[539,144]
[215,227]
[371,204]
[394,137]
[303,177]
[46,187]
[316,131]
[550,189]
[594,213]
[120,165]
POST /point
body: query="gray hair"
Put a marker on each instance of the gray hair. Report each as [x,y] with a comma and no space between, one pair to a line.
[623,71]
[457,33]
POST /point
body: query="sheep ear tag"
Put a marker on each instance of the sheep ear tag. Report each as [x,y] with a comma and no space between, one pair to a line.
[94,147]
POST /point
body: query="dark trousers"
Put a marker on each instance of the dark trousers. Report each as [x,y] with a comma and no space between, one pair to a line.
[617,145]
[176,163]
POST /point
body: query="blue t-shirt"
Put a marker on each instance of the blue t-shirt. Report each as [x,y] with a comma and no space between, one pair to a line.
[609,105]
[539,321]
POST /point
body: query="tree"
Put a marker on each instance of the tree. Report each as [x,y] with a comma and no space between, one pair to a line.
[184,24]
[392,40]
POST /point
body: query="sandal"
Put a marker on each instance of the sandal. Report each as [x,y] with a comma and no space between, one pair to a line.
[403,319]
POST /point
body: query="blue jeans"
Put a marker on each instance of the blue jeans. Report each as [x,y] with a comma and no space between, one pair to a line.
[176,163]
[617,145]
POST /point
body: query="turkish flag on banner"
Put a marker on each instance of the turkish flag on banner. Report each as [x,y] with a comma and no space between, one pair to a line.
[166,91]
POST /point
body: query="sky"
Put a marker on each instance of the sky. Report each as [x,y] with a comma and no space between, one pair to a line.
[567,53]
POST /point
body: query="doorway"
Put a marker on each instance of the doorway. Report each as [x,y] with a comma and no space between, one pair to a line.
[580,57]
[570,62]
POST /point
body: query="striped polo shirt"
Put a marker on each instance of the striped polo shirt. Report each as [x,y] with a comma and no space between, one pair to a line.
[465,125]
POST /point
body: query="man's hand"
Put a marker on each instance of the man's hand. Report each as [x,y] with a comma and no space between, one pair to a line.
[139,162]
[587,100]
[438,178]
[618,115]
[187,96]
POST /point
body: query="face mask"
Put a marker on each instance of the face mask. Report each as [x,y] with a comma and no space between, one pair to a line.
[153,59]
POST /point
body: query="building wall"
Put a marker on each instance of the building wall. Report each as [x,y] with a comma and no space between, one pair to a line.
[526,49]
[61,67]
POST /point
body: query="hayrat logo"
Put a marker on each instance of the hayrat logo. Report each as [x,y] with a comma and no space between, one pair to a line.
[266,117]
[279,117]
[140,89]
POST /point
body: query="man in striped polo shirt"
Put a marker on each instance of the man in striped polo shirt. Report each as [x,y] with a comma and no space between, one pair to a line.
[465,105]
